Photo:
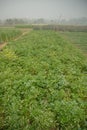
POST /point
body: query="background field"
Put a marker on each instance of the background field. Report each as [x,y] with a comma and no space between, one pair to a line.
[79,39]
[42,84]
[56,27]
[75,34]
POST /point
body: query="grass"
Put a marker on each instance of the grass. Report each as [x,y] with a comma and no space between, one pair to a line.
[77,38]
[42,84]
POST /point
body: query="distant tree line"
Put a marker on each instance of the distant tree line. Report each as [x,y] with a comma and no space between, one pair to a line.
[16,21]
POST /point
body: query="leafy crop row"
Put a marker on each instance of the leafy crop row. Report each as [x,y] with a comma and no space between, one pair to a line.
[42,84]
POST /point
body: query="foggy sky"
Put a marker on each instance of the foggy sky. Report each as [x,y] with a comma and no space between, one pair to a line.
[49,9]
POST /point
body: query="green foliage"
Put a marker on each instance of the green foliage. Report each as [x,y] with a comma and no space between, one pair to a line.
[42,84]
[8,34]
[77,38]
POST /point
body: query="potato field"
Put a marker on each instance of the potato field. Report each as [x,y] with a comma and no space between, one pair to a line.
[43,82]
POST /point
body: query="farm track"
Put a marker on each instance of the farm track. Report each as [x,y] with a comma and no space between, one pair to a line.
[2,45]
[15,39]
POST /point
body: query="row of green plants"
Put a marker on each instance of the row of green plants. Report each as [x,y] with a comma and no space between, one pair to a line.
[8,34]
[42,84]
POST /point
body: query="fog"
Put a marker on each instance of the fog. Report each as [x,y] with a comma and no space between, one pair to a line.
[48,9]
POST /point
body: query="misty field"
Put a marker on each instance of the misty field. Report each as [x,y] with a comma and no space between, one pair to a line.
[43,84]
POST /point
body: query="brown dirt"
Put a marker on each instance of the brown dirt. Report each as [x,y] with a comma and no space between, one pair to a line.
[24,33]
[2,45]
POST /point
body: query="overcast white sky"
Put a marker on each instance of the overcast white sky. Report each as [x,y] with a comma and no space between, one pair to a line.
[52,9]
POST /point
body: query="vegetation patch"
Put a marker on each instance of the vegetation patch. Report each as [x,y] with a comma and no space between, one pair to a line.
[8,34]
[77,38]
[42,84]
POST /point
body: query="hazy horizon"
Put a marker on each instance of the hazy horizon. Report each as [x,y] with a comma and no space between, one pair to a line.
[48,9]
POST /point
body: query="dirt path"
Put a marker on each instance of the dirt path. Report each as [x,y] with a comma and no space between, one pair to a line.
[24,33]
[2,45]
[15,39]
